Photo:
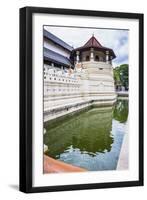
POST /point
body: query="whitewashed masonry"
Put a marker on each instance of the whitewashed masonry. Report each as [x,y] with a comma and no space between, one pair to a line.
[76,78]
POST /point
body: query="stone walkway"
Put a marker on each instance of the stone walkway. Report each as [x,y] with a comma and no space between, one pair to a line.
[123,162]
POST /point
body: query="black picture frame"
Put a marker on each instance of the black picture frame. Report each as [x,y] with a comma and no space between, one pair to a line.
[26,104]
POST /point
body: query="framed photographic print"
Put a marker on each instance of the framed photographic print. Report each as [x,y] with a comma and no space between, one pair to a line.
[81,99]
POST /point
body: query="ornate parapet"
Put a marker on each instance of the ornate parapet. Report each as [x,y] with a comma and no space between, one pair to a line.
[66,92]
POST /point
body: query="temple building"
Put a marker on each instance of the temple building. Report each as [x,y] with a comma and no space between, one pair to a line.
[56,53]
[93,51]
[76,78]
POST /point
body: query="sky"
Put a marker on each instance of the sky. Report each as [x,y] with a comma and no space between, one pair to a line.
[118,40]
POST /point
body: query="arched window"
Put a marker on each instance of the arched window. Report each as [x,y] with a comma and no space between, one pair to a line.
[87,58]
[97,58]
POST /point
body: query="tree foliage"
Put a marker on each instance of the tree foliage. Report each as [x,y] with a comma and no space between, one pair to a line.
[121,75]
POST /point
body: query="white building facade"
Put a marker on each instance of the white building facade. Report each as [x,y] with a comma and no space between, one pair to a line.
[75,79]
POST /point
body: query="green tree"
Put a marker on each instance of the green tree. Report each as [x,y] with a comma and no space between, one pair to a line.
[116,73]
[124,75]
[121,76]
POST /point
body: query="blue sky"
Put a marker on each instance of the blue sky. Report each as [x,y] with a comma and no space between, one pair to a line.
[118,40]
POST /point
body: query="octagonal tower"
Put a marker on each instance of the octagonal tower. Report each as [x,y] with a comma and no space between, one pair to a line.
[93,63]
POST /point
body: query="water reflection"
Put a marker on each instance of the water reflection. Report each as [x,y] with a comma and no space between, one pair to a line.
[91,139]
[121,110]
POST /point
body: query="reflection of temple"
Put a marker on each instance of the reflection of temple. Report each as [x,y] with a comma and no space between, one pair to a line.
[89,132]
[76,78]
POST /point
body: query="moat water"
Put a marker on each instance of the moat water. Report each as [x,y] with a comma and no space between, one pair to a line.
[91,139]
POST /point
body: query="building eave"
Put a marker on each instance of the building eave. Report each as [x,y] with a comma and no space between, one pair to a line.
[103,49]
[52,56]
[57,40]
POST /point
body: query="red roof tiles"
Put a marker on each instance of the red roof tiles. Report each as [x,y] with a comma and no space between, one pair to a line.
[92,42]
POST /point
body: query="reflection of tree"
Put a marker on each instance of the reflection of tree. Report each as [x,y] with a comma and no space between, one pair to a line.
[89,132]
[120,112]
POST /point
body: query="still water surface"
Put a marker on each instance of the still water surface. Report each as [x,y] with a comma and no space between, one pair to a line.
[91,139]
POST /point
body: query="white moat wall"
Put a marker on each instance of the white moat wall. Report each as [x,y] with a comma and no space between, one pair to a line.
[67,91]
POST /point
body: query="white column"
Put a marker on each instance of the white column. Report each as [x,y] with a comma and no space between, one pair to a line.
[91,54]
[77,56]
[111,57]
[107,56]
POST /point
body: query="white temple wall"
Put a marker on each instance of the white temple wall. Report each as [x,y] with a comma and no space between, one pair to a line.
[65,93]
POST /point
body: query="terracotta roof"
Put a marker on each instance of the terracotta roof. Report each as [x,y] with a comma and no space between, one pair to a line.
[92,42]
